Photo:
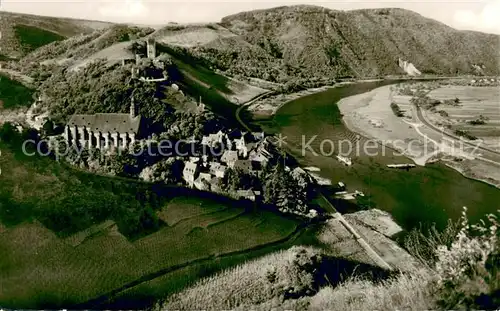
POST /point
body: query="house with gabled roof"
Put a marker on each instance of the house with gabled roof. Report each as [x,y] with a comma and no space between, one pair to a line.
[212,140]
[229,157]
[260,156]
[217,169]
[190,172]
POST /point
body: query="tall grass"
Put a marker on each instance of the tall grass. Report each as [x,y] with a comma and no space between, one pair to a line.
[405,292]
[249,284]
[422,243]
[461,271]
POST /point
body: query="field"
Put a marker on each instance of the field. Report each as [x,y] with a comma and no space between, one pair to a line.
[31,38]
[69,237]
[474,102]
[430,194]
[13,94]
[370,115]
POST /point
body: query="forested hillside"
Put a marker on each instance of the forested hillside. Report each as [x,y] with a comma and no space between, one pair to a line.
[310,41]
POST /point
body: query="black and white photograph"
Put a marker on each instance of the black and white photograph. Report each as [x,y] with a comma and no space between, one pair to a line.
[283,155]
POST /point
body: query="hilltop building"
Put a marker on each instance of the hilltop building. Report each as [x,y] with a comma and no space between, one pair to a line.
[105,130]
[151,48]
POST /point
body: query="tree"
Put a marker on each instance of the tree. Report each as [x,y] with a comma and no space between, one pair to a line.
[8,132]
[48,128]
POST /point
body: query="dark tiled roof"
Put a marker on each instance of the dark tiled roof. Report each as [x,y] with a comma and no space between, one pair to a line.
[107,122]
[244,165]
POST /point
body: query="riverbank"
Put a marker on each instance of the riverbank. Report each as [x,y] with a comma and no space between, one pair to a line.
[268,106]
[370,115]
[419,197]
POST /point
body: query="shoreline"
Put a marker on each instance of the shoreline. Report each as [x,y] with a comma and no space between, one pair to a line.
[362,102]
[349,123]
[260,109]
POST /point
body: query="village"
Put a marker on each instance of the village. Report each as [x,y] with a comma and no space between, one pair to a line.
[215,158]
[212,158]
[246,152]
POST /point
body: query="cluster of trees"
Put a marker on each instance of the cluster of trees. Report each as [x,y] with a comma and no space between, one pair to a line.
[167,171]
[443,113]
[465,134]
[289,192]
[452,102]
[481,120]
[236,179]
[397,110]
[425,101]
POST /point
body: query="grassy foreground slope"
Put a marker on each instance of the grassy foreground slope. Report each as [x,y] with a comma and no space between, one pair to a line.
[84,236]
[458,270]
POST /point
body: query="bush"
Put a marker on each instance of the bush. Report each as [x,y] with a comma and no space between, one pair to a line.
[468,271]
[481,120]
[465,134]
[443,113]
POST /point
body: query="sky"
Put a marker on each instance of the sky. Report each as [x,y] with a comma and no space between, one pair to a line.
[480,15]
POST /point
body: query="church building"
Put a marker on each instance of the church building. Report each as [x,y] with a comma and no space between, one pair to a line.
[105,130]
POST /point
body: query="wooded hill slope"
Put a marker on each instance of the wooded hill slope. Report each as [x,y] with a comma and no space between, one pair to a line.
[309,41]
[303,42]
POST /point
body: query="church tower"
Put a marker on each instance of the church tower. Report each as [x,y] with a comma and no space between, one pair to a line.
[151,48]
[132,108]
[201,106]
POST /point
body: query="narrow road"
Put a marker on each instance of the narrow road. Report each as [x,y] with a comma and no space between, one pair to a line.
[359,238]
[246,104]
[329,207]
[490,155]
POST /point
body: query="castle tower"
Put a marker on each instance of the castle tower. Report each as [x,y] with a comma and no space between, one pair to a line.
[151,48]
[132,108]
[201,106]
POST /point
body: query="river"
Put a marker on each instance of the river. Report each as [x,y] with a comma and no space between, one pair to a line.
[420,196]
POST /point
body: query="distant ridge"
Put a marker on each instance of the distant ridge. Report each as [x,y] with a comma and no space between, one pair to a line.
[295,43]
[310,41]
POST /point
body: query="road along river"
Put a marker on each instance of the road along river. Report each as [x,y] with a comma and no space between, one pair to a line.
[313,131]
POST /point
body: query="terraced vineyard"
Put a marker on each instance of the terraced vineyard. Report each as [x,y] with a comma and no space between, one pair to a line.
[89,257]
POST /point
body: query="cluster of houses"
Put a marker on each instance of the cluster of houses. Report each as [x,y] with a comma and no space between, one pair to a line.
[244,151]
